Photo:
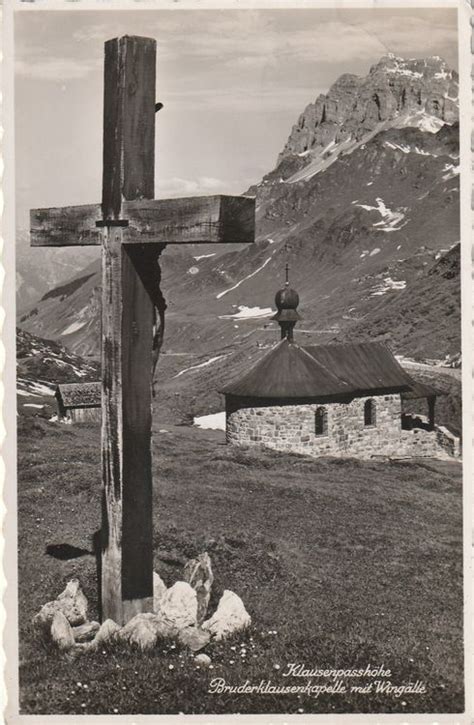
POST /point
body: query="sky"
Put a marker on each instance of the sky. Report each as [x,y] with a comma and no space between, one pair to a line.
[232,82]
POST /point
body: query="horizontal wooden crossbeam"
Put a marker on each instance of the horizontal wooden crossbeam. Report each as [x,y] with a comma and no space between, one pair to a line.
[190,220]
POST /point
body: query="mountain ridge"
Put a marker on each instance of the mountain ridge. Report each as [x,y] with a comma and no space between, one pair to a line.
[358,225]
[414,92]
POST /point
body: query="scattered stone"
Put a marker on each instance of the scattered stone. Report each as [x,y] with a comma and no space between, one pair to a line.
[85,632]
[203,660]
[178,608]
[194,638]
[72,602]
[61,632]
[108,630]
[230,616]
[198,573]
[159,591]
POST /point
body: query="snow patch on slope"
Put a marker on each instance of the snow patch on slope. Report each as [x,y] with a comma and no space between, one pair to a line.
[391,220]
[73,327]
[387,285]
[450,171]
[29,387]
[252,274]
[215,421]
[400,71]
[424,121]
[398,146]
[407,149]
[202,365]
[248,313]
[204,256]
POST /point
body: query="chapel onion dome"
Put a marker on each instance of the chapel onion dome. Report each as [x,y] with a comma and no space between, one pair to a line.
[286,301]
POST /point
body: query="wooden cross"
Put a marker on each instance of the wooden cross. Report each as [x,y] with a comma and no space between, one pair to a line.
[132,228]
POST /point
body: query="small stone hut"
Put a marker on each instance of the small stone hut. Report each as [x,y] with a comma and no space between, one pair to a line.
[331,400]
[79,402]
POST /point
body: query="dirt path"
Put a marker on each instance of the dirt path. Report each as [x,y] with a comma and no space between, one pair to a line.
[455,373]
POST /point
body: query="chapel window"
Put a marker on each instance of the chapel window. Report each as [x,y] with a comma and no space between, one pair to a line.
[370,417]
[321,422]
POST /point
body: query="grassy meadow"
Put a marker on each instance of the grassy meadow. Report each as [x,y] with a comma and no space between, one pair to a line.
[341,564]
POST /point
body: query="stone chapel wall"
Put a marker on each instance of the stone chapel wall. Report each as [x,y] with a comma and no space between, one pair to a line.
[291,426]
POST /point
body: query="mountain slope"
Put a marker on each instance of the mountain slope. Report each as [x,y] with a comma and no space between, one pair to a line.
[417,318]
[39,270]
[360,232]
[42,364]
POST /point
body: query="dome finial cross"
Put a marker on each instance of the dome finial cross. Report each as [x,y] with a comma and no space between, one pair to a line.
[286,301]
[287,265]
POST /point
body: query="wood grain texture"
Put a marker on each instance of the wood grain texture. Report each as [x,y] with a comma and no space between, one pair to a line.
[65,226]
[127,322]
[129,122]
[112,430]
[191,220]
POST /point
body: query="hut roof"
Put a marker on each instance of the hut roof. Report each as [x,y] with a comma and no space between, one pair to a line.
[291,371]
[79,395]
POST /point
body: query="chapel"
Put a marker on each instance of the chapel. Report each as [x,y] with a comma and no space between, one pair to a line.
[342,399]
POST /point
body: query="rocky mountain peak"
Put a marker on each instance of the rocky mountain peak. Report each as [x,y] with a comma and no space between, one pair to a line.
[407,66]
[396,92]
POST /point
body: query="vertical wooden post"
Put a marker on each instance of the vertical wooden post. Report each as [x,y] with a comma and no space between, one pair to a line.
[127,327]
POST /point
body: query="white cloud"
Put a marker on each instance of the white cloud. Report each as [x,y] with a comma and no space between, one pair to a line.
[177,186]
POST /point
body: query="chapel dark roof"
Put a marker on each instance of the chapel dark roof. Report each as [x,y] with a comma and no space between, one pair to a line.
[79,395]
[421,390]
[291,371]
[287,371]
[365,365]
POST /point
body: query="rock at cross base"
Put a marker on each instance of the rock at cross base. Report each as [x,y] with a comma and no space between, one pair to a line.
[203,660]
[85,632]
[178,608]
[141,630]
[73,591]
[61,632]
[194,638]
[198,573]
[108,630]
[72,602]
[229,617]
[159,591]
[145,628]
